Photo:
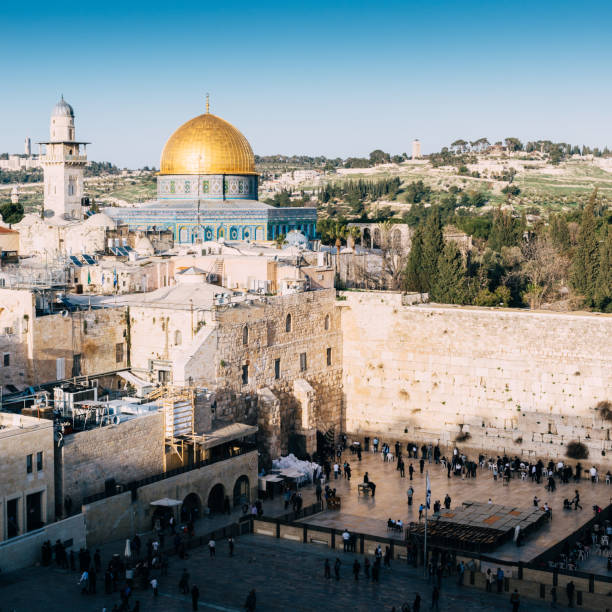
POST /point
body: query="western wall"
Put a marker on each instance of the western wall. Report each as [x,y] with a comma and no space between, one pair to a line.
[515,381]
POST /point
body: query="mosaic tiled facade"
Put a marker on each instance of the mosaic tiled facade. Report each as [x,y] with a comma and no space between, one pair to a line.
[207,187]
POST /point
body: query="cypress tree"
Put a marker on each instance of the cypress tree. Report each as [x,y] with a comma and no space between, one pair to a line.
[433,244]
[585,265]
[603,289]
[450,286]
[413,275]
[505,231]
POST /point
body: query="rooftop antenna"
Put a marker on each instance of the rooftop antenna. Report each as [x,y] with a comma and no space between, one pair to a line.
[207,103]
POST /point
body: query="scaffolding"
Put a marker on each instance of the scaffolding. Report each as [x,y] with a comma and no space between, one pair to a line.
[178,405]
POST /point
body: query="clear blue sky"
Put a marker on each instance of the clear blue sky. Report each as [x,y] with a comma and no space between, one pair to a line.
[334,78]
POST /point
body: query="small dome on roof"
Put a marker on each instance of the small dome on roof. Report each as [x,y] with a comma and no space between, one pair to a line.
[144,247]
[100,220]
[296,238]
[63,109]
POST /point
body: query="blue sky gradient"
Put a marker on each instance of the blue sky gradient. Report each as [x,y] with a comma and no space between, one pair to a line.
[333,78]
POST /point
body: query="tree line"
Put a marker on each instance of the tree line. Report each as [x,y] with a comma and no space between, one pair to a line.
[568,258]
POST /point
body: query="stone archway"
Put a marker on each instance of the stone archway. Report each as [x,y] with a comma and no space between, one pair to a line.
[216,498]
[241,491]
[366,238]
[191,510]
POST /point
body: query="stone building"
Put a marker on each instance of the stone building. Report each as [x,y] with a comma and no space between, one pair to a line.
[41,340]
[27,495]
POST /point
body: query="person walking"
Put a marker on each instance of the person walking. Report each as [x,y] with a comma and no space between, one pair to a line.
[212,547]
[421,508]
[337,565]
[327,570]
[500,579]
[435,598]
[195,595]
[421,464]
[410,493]
[230,542]
[410,471]
[184,582]
[489,578]
[569,590]
[416,606]
[356,569]
[319,491]
[154,585]
[251,601]
[460,573]
[401,468]
[515,600]
[366,568]
[576,501]
[346,538]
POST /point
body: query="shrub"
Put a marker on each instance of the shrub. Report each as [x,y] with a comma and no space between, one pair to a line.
[605,410]
[577,450]
[463,436]
[519,440]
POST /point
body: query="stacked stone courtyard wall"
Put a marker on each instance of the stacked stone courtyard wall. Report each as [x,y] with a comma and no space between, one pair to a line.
[519,382]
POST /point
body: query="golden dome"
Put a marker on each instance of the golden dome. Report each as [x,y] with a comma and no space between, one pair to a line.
[207,144]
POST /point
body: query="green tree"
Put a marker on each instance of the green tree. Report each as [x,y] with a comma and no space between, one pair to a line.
[585,264]
[12,213]
[433,244]
[450,285]
[505,231]
[413,275]
[378,156]
[603,289]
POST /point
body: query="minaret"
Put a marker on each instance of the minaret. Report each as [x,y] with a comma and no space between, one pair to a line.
[28,147]
[63,164]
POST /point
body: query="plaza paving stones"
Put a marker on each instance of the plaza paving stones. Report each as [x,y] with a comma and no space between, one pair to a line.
[288,577]
[370,515]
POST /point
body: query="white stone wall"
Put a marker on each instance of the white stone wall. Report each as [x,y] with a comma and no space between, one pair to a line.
[25,436]
[501,375]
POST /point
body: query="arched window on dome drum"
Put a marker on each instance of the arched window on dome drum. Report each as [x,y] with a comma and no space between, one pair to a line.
[288,323]
[245,335]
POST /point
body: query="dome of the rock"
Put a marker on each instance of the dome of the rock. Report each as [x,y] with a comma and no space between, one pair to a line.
[207,144]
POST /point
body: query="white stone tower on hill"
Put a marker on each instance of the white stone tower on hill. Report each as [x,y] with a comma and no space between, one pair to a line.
[63,164]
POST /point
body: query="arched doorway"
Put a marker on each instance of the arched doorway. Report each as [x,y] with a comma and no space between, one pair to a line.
[191,510]
[376,240]
[397,240]
[366,239]
[241,491]
[216,498]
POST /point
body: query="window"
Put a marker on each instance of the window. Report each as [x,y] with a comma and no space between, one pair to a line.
[163,376]
[245,374]
[276,369]
[6,359]
[76,365]
[245,335]
[39,461]
[288,323]
[303,362]
[60,368]
[119,352]
[329,356]
[177,337]
[326,322]
[29,464]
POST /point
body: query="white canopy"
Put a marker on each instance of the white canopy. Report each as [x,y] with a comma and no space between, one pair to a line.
[166,502]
